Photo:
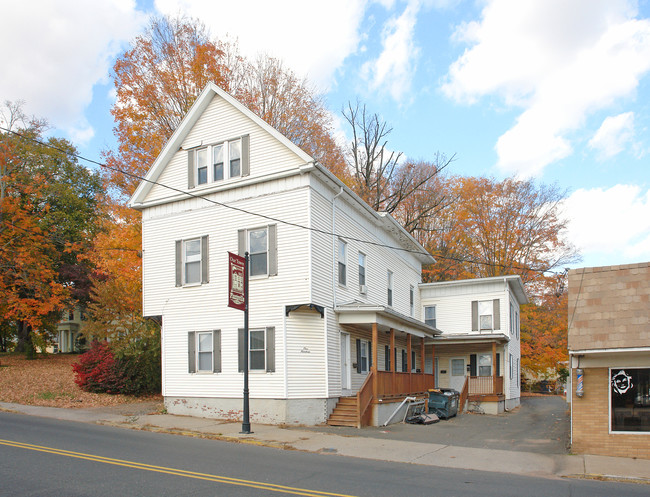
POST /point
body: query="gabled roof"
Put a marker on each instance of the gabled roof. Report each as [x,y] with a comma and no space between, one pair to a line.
[174,143]
[514,282]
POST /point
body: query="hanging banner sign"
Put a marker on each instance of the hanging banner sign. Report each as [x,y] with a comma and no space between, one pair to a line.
[236,275]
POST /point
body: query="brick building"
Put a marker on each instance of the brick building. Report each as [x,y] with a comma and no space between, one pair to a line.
[609,346]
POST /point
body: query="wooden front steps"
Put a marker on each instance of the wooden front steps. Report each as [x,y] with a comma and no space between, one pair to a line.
[346,413]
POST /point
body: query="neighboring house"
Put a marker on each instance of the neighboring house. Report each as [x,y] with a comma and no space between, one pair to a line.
[478,353]
[67,338]
[609,348]
[337,330]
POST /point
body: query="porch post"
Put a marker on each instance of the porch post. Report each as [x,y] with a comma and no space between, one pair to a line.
[495,373]
[373,370]
[393,360]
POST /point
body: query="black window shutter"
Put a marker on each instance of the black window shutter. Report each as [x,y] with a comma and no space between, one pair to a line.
[474,316]
[179,262]
[404,361]
[205,260]
[386,358]
[498,369]
[241,349]
[245,155]
[191,352]
[190,169]
[358,356]
[216,351]
[369,348]
[496,314]
[273,250]
[270,349]
[241,242]
[472,365]
[395,357]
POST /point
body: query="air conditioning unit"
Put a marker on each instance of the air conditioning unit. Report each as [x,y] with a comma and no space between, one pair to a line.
[363,289]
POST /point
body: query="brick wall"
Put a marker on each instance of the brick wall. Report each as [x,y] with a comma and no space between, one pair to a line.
[609,307]
[591,421]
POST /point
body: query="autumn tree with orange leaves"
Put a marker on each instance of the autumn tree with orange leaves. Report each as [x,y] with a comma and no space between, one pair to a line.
[495,228]
[48,215]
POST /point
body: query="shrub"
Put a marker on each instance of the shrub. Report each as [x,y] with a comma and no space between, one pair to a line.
[135,371]
[96,370]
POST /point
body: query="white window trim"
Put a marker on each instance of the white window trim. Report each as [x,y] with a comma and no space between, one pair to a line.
[363,287]
[209,149]
[424,313]
[185,262]
[367,356]
[478,364]
[263,349]
[342,263]
[489,304]
[198,352]
[250,252]
[390,294]
[411,300]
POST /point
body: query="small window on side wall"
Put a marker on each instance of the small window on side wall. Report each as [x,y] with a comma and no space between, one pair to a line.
[192,261]
[342,263]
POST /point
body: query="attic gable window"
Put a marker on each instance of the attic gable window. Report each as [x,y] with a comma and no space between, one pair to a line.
[219,162]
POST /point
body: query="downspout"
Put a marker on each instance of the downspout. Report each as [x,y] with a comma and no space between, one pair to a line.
[334,247]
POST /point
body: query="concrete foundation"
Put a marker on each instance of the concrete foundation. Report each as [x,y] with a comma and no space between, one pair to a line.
[266,411]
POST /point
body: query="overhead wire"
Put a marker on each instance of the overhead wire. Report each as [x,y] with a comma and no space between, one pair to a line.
[263,216]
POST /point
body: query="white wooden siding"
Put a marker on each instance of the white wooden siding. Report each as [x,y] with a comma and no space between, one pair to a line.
[220,122]
[306,371]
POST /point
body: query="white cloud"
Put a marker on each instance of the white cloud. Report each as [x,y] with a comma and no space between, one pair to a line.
[312,38]
[559,61]
[611,224]
[613,135]
[395,66]
[55,52]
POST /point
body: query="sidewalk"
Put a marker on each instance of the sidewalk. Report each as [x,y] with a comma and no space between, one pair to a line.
[137,416]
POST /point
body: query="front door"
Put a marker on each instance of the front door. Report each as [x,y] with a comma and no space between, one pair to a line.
[457,373]
[345,361]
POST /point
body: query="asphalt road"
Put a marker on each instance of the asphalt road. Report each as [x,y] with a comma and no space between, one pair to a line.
[46,457]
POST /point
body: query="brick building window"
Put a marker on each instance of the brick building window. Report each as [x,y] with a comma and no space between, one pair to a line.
[630,399]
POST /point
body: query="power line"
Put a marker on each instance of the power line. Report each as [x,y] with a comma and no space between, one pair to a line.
[264,216]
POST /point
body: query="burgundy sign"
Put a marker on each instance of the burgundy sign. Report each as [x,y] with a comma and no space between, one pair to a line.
[236,275]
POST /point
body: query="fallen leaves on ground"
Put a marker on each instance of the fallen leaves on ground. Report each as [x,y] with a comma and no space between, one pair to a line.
[49,381]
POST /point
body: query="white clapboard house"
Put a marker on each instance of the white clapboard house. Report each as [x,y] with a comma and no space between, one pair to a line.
[337,331]
[478,352]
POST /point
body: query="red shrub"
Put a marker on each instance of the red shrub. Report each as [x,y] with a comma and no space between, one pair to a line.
[96,370]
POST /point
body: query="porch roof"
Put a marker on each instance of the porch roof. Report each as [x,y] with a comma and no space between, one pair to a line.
[468,338]
[364,315]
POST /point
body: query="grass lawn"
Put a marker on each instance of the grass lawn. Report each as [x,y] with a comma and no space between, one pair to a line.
[49,381]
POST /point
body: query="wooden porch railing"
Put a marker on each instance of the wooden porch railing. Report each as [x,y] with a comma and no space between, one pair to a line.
[463,396]
[364,397]
[391,384]
[485,385]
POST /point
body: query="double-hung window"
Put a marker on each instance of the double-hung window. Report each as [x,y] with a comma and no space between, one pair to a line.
[342,262]
[430,315]
[259,251]
[218,162]
[204,351]
[192,261]
[262,247]
[486,315]
[390,288]
[261,349]
[411,299]
[364,356]
[257,350]
[362,274]
[485,364]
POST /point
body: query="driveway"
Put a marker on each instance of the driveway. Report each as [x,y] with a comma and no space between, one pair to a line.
[540,425]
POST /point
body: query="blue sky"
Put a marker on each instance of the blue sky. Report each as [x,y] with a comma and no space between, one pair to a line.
[555,90]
